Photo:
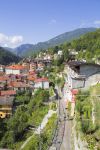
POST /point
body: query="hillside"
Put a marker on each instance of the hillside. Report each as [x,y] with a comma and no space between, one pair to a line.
[88,118]
[27,49]
[88,46]
[7,57]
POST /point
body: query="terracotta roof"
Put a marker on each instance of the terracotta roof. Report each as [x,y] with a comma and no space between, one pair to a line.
[18,84]
[16,67]
[4,100]
[31,78]
[3,78]
[41,80]
[7,93]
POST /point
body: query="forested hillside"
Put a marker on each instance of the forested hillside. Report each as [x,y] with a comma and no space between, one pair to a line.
[7,57]
[87,46]
[28,49]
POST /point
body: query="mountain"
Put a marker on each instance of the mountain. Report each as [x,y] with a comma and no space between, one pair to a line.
[88,46]
[7,57]
[23,49]
[60,39]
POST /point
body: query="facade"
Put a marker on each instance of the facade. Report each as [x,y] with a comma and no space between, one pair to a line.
[41,83]
[6,105]
[16,69]
[2,68]
[82,75]
[18,86]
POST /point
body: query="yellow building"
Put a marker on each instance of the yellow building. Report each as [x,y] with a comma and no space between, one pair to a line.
[6,105]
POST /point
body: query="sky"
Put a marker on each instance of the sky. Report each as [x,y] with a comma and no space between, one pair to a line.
[33,21]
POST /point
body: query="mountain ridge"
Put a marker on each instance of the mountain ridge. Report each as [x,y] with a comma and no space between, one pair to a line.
[27,49]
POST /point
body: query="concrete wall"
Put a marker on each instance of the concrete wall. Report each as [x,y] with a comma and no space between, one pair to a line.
[92,80]
[89,70]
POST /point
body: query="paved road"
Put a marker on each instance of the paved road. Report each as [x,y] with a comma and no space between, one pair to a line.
[62,140]
[67,139]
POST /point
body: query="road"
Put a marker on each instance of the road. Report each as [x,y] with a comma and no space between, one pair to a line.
[62,140]
[67,139]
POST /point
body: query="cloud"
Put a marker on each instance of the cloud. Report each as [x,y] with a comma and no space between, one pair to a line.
[16,39]
[97,22]
[10,41]
[53,21]
[86,23]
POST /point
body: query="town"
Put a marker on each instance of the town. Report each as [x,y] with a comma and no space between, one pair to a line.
[49,75]
[32,74]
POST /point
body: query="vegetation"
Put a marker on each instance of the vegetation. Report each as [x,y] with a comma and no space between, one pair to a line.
[87,116]
[45,138]
[29,112]
[29,49]
[87,46]
[8,56]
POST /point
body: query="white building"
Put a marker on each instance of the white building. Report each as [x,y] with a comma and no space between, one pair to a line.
[16,69]
[2,68]
[41,83]
[82,75]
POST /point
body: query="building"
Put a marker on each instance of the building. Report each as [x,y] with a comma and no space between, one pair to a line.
[41,83]
[18,86]
[82,74]
[2,68]
[32,66]
[8,93]
[16,69]
[6,106]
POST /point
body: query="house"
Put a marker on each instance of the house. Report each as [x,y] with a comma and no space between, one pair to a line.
[32,66]
[6,105]
[2,68]
[82,74]
[40,66]
[41,83]
[8,93]
[16,69]
[18,86]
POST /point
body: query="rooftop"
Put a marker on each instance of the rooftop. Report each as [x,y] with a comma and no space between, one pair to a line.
[7,93]
[41,80]
[16,67]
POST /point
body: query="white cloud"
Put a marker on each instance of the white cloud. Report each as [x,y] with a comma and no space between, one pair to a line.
[97,22]
[53,21]
[10,41]
[86,23]
[16,39]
